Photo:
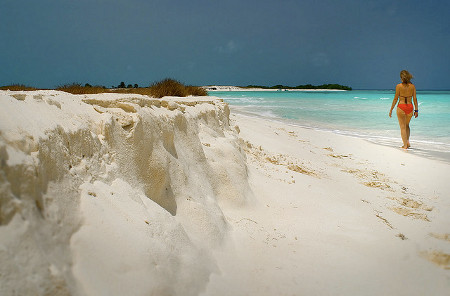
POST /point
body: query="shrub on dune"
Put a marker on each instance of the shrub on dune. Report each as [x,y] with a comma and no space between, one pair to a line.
[17,87]
[172,87]
[141,90]
[168,87]
[78,89]
[196,91]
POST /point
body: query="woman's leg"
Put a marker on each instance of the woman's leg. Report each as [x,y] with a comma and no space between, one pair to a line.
[402,119]
[408,131]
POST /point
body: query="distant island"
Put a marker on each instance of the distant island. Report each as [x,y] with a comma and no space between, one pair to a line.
[279,87]
[304,86]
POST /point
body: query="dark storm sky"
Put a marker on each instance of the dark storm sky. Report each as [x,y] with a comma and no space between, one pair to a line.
[363,44]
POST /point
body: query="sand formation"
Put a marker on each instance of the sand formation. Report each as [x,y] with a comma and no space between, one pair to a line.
[107,194]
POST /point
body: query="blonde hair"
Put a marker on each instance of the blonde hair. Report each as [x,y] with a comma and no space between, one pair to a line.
[405,76]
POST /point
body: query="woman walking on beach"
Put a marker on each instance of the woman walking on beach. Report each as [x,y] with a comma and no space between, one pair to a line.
[406,91]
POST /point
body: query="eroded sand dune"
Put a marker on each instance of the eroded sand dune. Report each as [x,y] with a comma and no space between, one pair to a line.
[107,194]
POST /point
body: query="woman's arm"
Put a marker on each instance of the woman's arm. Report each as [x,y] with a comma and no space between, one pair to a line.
[416,106]
[394,102]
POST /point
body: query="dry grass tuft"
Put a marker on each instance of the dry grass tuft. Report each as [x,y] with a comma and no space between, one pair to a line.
[17,87]
[168,87]
[78,89]
[172,87]
[196,91]
[141,91]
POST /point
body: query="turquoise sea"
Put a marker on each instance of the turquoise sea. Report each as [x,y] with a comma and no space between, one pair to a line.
[358,113]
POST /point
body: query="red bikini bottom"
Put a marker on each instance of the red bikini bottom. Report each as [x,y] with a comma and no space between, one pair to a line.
[407,108]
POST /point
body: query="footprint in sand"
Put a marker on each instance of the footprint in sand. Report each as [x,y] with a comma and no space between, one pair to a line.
[439,258]
[256,231]
[292,164]
[340,156]
[444,236]
[373,179]
[411,208]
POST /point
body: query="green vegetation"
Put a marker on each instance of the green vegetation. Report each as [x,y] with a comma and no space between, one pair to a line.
[166,87]
[304,86]
[324,86]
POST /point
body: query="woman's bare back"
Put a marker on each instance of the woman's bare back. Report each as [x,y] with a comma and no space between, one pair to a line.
[405,92]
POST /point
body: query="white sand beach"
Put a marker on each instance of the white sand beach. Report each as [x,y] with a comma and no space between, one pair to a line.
[115,194]
[213,88]
[335,215]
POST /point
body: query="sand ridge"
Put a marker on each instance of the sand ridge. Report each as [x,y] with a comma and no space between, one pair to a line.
[112,193]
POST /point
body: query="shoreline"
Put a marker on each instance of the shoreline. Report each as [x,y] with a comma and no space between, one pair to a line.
[430,136]
[420,152]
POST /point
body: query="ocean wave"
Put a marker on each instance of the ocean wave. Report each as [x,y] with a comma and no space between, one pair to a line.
[261,113]
[243,100]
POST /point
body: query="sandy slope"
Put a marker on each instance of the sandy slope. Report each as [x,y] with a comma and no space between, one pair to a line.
[336,216]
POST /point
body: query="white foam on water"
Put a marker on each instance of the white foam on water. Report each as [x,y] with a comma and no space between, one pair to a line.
[261,113]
